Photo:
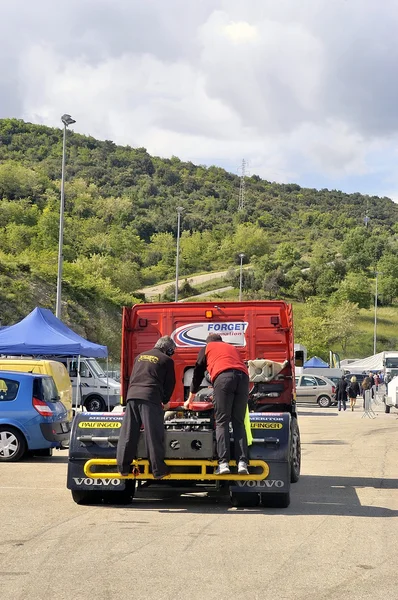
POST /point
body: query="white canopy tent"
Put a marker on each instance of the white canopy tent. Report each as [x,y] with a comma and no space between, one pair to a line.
[371,363]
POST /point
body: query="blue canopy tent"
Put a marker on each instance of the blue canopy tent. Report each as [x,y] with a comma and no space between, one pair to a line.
[316,362]
[42,334]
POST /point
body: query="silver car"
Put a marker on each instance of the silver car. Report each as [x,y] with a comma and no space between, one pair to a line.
[315,389]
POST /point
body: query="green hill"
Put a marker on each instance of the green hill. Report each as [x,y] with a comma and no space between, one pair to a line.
[308,246]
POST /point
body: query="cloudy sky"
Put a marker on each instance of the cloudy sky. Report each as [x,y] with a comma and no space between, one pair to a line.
[304,90]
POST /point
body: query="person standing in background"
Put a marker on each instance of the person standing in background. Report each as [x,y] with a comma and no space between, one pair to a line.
[341,393]
[353,390]
[372,384]
[366,388]
[377,381]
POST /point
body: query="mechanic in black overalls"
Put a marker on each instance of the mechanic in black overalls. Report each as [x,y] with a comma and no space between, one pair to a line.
[230,379]
[150,388]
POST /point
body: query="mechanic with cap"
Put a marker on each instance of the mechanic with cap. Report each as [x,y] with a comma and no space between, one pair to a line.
[150,388]
[230,379]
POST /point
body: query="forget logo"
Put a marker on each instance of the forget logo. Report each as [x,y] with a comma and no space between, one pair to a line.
[195,334]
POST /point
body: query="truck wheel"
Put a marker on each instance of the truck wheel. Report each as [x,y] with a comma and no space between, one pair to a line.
[387,408]
[295,452]
[275,500]
[12,444]
[95,404]
[242,499]
[324,401]
[86,497]
[124,497]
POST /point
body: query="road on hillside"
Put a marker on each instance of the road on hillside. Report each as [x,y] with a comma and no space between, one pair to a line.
[209,293]
[336,541]
[194,280]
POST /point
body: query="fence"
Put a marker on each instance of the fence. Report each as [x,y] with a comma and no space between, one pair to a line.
[367,404]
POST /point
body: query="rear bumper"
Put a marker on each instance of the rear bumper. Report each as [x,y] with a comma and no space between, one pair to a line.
[56,432]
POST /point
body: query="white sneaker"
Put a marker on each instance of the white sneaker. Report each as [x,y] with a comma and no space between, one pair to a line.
[223,469]
[242,468]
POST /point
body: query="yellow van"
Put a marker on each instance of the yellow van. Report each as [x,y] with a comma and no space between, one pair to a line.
[44,367]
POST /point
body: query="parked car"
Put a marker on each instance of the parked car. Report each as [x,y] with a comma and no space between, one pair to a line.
[334,380]
[359,376]
[44,367]
[315,389]
[32,417]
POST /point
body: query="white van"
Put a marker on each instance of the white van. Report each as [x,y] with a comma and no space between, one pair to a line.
[94,385]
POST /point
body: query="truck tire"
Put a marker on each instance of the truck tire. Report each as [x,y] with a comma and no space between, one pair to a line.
[99,497]
[86,497]
[12,444]
[387,409]
[95,404]
[242,499]
[124,497]
[324,401]
[275,500]
[295,452]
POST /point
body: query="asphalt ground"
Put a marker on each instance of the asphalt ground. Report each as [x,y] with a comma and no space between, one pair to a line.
[337,540]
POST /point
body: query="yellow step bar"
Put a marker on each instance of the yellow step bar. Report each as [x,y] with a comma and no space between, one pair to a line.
[198,464]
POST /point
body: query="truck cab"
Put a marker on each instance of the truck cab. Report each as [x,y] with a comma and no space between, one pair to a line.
[390,364]
[259,330]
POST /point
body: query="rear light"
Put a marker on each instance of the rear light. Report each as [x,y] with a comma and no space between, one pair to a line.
[42,407]
[333,389]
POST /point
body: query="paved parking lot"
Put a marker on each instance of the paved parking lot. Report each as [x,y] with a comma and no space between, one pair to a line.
[336,541]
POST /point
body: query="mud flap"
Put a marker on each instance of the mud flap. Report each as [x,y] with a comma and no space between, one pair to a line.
[93,435]
[271,443]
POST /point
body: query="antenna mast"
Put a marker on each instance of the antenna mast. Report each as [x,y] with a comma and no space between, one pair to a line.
[366,218]
[242,185]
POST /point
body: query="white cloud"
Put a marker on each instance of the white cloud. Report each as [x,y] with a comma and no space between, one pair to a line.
[240,32]
[284,83]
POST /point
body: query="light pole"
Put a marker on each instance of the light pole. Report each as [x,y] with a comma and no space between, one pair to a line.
[66,120]
[375,327]
[179,211]
[241,256]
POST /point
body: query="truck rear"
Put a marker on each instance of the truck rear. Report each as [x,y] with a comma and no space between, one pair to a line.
[263,334]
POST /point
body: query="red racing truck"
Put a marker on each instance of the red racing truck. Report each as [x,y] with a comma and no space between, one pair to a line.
[263,333]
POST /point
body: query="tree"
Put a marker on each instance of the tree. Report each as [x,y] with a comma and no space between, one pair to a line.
[273,283]
[313,329]
[343,320]
[249,239]
[17,181]
[355,250]
[355,288]
[388,277]
[47,229]
[303,289]
[287,254]
[197,251]
[327,281]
